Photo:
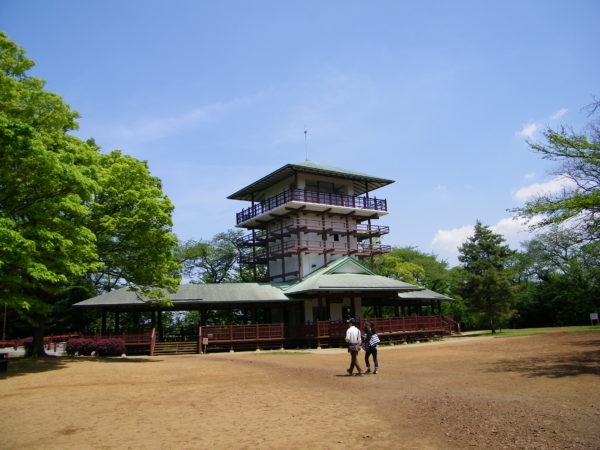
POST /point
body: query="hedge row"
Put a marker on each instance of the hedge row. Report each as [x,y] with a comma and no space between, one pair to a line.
[102,347]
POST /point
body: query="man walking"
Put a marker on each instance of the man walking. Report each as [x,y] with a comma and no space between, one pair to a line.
[354,340]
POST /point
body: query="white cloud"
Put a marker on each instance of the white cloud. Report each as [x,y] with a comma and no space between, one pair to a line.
[529,176]
[558,114]
[450,240]
[553,186]
[514,230]
[528,131]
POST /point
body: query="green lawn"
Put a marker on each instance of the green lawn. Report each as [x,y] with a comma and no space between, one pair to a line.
[533,331]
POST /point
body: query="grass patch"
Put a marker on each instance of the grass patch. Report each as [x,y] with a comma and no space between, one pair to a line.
[534,331]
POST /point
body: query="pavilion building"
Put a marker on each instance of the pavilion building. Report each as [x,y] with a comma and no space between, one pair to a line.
[311,230]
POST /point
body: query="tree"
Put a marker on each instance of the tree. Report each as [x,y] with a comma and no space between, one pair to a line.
[131,219]
[579,157]
[213,261]
[560,280]
[47,179]
[68,213]
[487,278]
[411,265]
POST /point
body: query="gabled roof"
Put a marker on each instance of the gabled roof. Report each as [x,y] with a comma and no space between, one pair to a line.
[344,274]
[194,294]
[347,274]
[362,182]
[425,294]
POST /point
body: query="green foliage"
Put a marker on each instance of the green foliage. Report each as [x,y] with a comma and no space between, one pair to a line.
[67,212]
[131,219]
[579,157]
[559,282]
[213,261]
[410,265]
[487,279]
[47,179]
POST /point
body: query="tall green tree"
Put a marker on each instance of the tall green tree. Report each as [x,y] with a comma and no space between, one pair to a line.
[131,219]
[66,211]
[578,155]
[487,287]
[47,179]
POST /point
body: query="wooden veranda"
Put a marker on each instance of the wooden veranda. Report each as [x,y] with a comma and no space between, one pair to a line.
[316,334]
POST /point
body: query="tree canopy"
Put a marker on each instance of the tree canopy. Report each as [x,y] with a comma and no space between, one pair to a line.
[579,158]
[487,284]
[47,180]
[67,212]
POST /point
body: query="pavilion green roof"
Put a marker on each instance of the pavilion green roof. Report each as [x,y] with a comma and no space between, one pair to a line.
[362,182]
[347,274]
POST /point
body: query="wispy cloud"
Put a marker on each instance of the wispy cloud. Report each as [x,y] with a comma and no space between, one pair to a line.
[529,176]
[150,129]
[530,129]
[558,114]
[557,184]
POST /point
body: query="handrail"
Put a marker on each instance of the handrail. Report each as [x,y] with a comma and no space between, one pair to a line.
[302,195]
[330,226]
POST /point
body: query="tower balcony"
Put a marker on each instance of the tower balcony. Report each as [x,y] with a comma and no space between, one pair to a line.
[300,199]
[260,238]
[291,247]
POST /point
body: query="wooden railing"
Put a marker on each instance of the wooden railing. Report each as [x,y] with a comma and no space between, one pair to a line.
[321,333]
[301,195]
[294,246]
[361,231]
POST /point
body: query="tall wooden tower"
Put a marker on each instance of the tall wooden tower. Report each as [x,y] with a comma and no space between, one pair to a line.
[305,215]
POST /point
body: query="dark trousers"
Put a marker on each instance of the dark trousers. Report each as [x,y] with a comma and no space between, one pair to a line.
[371,351]
[354,362]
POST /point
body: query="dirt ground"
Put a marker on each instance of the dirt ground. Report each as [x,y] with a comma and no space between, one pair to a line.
[520,392]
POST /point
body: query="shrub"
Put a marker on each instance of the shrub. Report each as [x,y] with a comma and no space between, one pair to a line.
[110,347]
[82,346]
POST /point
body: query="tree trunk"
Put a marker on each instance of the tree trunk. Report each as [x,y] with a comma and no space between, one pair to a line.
[37,345]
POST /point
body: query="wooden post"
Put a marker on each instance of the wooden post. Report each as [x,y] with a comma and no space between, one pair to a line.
[152,341]
[117,322]
[253,254]
[103,326]
[318,334]
[282,252]
[257,335]
[200,340]
[159,324]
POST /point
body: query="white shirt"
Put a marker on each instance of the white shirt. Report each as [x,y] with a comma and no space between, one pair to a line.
[353,335]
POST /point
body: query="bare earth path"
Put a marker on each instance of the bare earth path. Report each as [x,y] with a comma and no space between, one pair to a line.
[521,392]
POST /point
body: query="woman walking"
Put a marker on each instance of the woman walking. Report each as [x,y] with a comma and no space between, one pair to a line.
[371,341]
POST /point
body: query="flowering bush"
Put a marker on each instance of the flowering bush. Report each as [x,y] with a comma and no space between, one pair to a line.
[83,346]
[110,347]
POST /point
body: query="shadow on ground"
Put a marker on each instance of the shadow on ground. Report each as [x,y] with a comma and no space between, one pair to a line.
[566,365]
[25,366]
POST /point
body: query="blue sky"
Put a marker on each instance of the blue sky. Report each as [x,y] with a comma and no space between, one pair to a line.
[437,95]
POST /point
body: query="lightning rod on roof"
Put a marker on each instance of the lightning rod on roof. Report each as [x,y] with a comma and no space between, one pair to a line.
[305,143]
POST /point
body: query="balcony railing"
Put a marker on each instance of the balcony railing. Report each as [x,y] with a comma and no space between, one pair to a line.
[260,238]
[301,195]
[290,247]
